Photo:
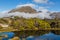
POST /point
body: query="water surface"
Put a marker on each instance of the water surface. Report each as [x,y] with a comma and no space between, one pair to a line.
[32,35]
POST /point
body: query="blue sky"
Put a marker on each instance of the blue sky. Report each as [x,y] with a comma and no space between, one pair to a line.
[52,5]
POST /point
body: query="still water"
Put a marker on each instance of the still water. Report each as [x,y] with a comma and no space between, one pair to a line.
[32,35]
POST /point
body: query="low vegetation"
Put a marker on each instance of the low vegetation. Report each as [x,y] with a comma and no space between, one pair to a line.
[20,23]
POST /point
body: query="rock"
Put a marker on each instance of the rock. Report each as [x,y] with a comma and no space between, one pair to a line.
[25,9]
[15,38]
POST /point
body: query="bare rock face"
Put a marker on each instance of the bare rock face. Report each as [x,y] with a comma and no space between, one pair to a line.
[25,9]
[56,15]
[15,38]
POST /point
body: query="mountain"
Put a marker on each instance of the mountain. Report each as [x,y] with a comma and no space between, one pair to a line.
[26,9]
[56,15]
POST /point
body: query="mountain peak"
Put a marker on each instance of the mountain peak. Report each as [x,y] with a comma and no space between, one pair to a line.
[26,9]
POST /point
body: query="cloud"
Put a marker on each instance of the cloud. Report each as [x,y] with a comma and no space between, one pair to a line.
[28,15]
[31,5]
[43,9]
[42,15]
[44,1]
[40,1]
[6,11]
[45,12]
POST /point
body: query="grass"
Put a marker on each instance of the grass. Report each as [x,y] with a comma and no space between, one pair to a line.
[11,30]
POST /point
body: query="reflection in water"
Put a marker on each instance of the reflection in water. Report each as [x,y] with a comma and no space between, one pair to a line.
[57,32]
[6,35]
[29,33]
[32,35]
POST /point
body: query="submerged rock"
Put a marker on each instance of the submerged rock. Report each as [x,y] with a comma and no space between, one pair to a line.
[15,38]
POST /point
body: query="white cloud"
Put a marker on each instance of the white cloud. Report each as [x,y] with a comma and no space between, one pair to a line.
[42,15]
[40,1]
[6,11]
[45,12]
[43,9]
[44,1]
[31,5]
[28,15]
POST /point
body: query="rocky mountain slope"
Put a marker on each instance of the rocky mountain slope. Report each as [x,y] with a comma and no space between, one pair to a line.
[25,9]
[56,15]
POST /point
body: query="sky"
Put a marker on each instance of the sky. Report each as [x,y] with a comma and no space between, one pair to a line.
[51,5]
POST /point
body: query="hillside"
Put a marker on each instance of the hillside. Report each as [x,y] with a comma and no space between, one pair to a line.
[56,15]
[25,9]
[22,23]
